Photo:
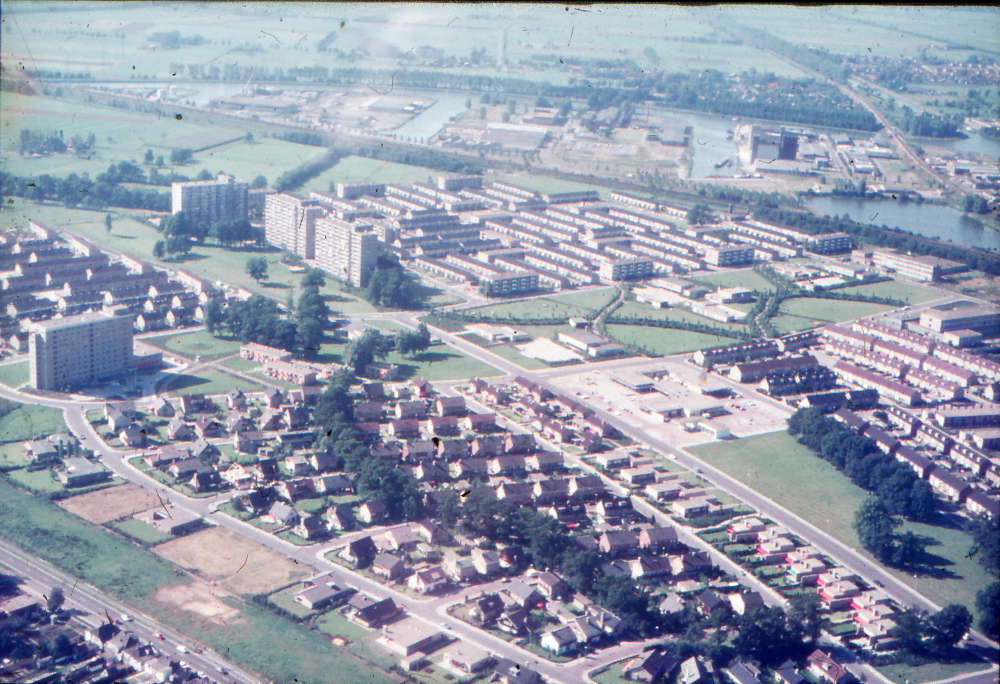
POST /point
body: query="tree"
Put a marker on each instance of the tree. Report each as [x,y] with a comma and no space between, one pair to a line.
[985,532]
[908,549]
[365,349]
[258,182]
[107,222]
[806,613]
[148,159]
[699,214]
[875,526]
[182,156]
[950,624]
[256,268]
[620,596]
[178,244]
[397,491]
[159,249]
[313,278]
[765,634]
[160,162]
[55,600]
[248,138]
[412,342]
[204,175]
[988,605]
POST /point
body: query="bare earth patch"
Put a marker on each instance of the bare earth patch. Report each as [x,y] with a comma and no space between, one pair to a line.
[240,565]
[199,598]
[111,503]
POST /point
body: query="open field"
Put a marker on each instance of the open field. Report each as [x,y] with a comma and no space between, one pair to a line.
[930,672]
[81,548]
[195,343]
[777,466]
[29,421]
[441,363]
[831,310]
[784,323]
[911,294]
[210,382]
[637,310]
[563,306]
[239,564]
[112,503]
[266,157]
[12,455]
[746,277]
[334,624]
[665,341]
[354,169]
[15,374]
[140,531]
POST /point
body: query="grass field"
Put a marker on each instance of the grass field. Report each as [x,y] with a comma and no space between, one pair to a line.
[335,625]
[12,455]
[788,324]
[14,375]
[238,363]
[140,531]
[831,310]
[441,363]
[286,599]
[665,341]
[911,294]
[637,310]
[555,306]
[354,169]
[210,382]
[198,343]
[746,277]
[931,672]
[790,475]
[28,421]
[82,549]
[264,157]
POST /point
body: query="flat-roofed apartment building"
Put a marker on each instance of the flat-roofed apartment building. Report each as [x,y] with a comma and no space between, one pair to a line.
[977,318]
[78,350]
[924,268]
[210,201]
[347,251]
[290,223]
[729,255]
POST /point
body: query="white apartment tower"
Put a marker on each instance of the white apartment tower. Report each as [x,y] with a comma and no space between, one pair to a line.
[346,250]
[290,223]
[211,201]
[79,350]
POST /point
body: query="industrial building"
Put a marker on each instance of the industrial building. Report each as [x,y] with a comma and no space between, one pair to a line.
[922,268]
[79,350]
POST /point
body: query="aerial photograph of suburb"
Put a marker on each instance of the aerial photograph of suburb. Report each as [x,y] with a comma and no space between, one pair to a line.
[514,343]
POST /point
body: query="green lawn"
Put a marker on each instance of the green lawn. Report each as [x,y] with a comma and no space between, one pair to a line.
[334,624]
[786,324]
[560,307]
[931,672]
[286,599]
[777,466]
[12,456]
[15,374]
[265,156]
[37,480]
[438,363]
[192,344]
[612,675]
[143,532]
[238,363]
[210,382]
[80,548]
[29,421]
[746,277]
[911,294]
[831,310]
[637,310]
[665,341]
[354,169]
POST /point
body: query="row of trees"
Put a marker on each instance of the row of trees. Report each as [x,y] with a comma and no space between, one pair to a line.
[40,142]
[290,180]
[882,236]
[858,457]
[81,191]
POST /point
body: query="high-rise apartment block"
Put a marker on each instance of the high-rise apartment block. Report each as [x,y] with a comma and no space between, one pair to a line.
[78,350]
[211,201]
[345,250]
[290,223]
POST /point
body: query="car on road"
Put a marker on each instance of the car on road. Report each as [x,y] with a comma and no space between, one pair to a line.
[221,670]
[183,664]
[183,649]
[126,618]
[879,584]
[157,635]
[446,625]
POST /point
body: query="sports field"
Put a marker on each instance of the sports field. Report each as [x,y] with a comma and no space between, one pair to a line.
[562,306]
[831,310]
[777,466]
[911,294]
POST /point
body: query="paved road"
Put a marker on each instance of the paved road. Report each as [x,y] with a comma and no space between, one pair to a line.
[94,608]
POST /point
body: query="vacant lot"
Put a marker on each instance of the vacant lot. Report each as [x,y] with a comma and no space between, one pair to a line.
[209,382]
[237,563]
[665,341]
[112,503]
[202,600]
[777,466]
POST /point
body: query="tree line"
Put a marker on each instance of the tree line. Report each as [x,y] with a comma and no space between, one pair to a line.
[81,191]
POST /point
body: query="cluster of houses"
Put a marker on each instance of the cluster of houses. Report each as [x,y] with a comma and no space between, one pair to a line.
[958,471]
[43,274]
[106,653]
[62,453]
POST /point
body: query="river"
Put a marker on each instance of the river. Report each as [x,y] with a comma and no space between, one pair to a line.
[929,220]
